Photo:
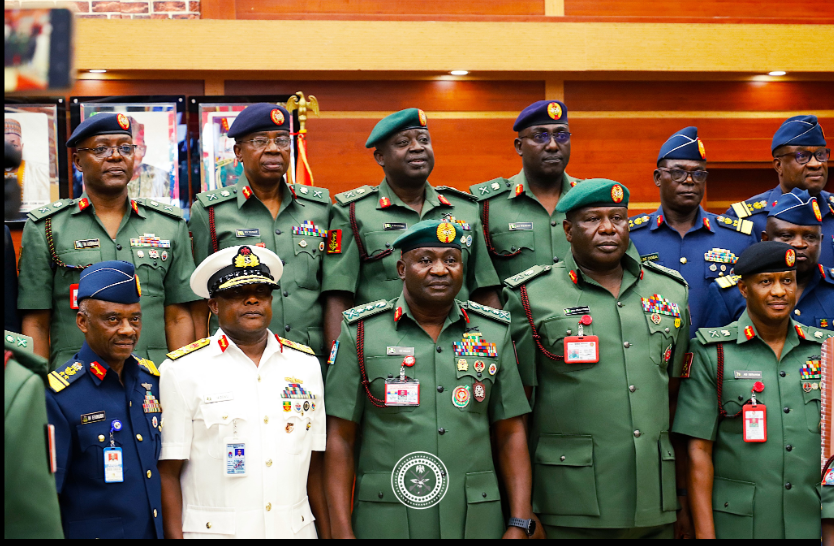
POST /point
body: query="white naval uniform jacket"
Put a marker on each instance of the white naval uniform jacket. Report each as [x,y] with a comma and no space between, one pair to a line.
[208,393]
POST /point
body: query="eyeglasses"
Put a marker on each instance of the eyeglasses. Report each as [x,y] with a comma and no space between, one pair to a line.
[802,157]
[680,175]
[103,152]
[260,143]
[561,137]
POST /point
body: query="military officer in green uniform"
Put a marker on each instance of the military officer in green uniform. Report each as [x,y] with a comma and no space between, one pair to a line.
[417,384]
[751,407]
[601,336]
[31,502]
[63,238]
[361,265]
[263,210]
[519,213]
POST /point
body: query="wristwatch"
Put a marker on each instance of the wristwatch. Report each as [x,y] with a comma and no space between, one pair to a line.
[528,525]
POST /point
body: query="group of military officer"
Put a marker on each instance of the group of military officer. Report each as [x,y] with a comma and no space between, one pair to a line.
[590,339]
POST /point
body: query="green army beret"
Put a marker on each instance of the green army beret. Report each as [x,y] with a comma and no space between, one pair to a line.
[429,233]
[410,118]
[595,192]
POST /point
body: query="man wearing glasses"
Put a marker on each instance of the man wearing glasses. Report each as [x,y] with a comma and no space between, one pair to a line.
[680,234]
[262,210]
[63,238]
[519,214]
[800,158]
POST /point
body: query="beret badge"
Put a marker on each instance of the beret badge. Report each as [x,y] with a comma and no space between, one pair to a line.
[446,232]
[790,257]
[423,119]
[554,110]
[816,208]
[701,149]
[617,193]
[123,122]
[277,117]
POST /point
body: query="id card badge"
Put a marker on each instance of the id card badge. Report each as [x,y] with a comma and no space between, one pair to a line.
[235,465]
[113,465]
[755,422]
[399,392]
[581,350]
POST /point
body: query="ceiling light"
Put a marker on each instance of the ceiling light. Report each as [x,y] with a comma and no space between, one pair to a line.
[459,72]
[98,71]
[777,73]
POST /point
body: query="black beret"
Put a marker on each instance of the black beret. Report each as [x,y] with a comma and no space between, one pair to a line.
[260,117]
[766,257]
[100,124]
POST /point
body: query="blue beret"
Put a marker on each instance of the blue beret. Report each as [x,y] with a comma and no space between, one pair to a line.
[684,144]
[594,192]
[430,233]
[766,257]
[100,124]
[113,281]
[410,118]
[260,117]
[798,131]
[797,207]
[543,112]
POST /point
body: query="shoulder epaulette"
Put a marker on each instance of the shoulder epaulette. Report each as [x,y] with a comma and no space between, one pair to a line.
[169,210]
[457,192]
[297,346]
[190,348]
[486,311]
[61,379]
[666,271]
[814,334]
[743,209]
[148,366]
[367,310]
[312,193]
[638,222]
[347,197]
[725,334]
[527,275]
[489,189]
[19,342]
[727,282]
[736,224]
[214,197]
[48,210]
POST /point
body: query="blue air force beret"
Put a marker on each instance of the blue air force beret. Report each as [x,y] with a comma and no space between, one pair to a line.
[236,266]
[798,131]
[430,233]
[766,257]
[543,112]
[684,144]
[594,192]
[410,118]
[114,281]
[260,117]
[797,207]
[100,124]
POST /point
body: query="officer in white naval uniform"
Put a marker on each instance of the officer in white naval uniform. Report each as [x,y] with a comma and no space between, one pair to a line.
[244,416]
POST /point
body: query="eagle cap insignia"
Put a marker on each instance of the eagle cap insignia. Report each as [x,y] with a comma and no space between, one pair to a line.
[246,258]
[701,149]
[617,193]
[277,117]
[123,122]
[554,110]
[446,232]
[790,257]
[423,119]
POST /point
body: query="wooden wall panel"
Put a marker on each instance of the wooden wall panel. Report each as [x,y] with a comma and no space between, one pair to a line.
[259,9]
[775,9]
[89,88]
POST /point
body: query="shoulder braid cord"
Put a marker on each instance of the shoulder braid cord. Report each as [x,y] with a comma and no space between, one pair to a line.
[720,381]
[525,302]
[488,239]
[212,230]
[50,242]
[363,255]
[360,353]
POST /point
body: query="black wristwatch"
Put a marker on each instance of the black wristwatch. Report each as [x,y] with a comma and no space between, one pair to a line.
[528,525]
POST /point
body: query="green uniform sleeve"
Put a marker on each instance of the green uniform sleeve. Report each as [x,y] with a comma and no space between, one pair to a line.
[827,497]
[36,275]
[508,398]
[343,388]
[697,410]
[522,335]
[341,270]
[682,340]
[481,273]
[199,227]
[178,278]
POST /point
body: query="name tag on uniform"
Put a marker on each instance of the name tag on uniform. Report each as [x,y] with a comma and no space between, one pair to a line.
[219,397]
[581,349]
[402,393]
[747,374]
[400,351]
[74,296]
[247,233]
[87,243]
[113,465]
[755,423]
[521,226]
[394,226]
[235,458]
[94,417]
[653,257]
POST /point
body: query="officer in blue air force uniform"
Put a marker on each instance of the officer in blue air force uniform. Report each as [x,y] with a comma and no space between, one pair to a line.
[681,235]
[800,158]
[104,405]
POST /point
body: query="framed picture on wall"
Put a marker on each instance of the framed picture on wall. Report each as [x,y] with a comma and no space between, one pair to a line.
[36,127]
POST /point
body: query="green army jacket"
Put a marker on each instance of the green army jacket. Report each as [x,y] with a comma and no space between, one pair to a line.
[769,489]
[297,235]
[380,217]
[152,236]
[599,435]
[456,433]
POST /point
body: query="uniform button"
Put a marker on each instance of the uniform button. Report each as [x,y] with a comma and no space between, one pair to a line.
[259,379]
[154,512]
[277,232]
[788,485]
[286,293]
[269,463]
[789,447]
[562,458]
[268,506]
[637,433]
[287,328]
[380,494]
[555,259]
[632,388]
[387,245]
[154,262]
[782,374]
[726,504]
[440,388]
[101,437]
[148,473]
[266,419]
[666,330]
[513,249]
[483,494]
[786,409]
[683,260]
[441,430]
[619,304]
[139,437]
[740,398]
[118,247]
[626,344]
[797,312]
[440,349]
[553,223]
[208,525]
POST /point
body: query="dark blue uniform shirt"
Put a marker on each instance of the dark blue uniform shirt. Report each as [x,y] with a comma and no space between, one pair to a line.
[814,308]
[707,252]
[757,208]
[91,508]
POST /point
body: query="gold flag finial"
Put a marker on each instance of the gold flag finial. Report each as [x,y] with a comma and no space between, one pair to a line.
[302,104]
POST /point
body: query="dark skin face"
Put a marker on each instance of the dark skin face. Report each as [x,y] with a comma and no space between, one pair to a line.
[111,329]
[806,240]
[598,236]
[267,165]
[243,312]
[681,197]
[543,161]
[106,176]
[770,296]
[407,158]
[812,176]
[432,275]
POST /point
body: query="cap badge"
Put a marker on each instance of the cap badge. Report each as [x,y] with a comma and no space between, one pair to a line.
[617,193]
[246,258]
[817,213]
[423,119]
[554,110]
[446,232]
[138,286]
[790,257]
[277,117]
[123,122]
[701,149]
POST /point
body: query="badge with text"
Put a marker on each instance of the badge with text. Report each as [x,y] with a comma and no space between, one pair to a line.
[113,465]
[402,392]
[394,226]
[93,417]
[235,458]
[242,233]
[755,422]
[521,226]
[582,349]
[87,243]
[420,480]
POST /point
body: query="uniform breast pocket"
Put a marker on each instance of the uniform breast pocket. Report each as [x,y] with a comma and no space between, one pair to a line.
[507,242]
[661,340]
[380,368]
[377,242]
[553,334]
[222,419]
[812,409]
[474,373]
[308,251]
[151,271]
[75,257]
[92,439]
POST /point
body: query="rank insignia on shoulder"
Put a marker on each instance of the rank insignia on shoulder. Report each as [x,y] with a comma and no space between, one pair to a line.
[148,366]
[491,312]
[59,380]
[736,224]
[367,310]
[527,275]
[190,348]
[639,221]
[297,346]
[728,281]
